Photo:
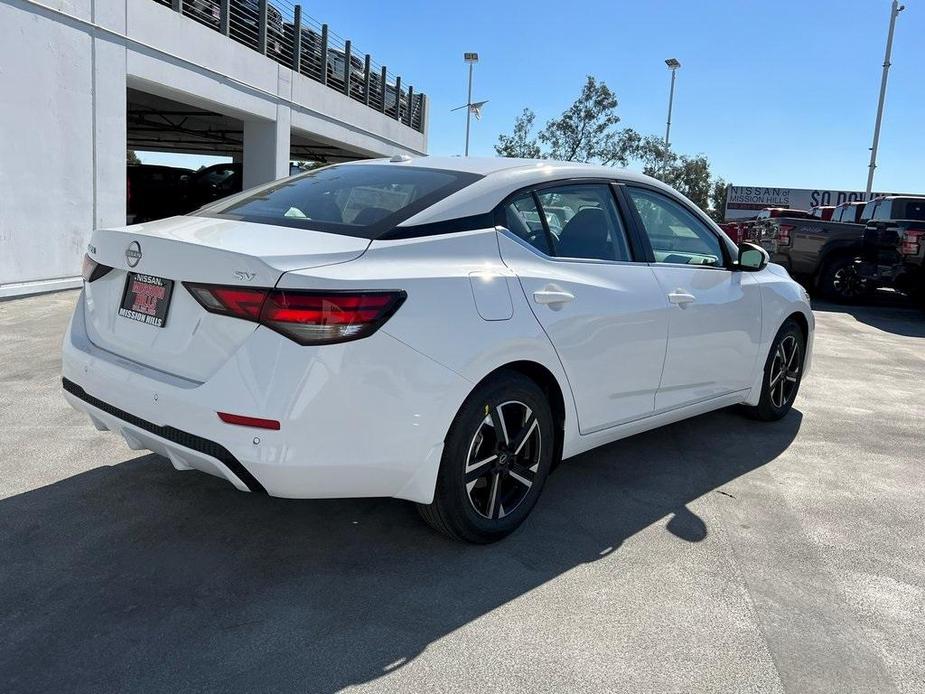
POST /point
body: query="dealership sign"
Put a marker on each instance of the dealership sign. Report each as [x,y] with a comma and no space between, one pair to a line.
[743,202]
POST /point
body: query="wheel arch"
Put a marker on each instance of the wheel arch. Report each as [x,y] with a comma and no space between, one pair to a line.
[550,385]
[800,319]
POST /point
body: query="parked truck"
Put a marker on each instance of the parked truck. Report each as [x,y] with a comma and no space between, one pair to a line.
[820,254]
[893,252]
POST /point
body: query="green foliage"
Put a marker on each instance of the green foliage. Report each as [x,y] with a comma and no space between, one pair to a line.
[131,158]
[520,144]
[588,131]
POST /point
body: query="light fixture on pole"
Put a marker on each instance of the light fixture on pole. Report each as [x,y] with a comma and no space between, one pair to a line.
[673,65]
[476,108]
[895,9]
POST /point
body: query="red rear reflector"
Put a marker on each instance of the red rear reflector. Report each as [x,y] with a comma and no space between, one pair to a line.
[307,317]
[248,421]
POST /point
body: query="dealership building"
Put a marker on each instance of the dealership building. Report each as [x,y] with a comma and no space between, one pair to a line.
[83,81]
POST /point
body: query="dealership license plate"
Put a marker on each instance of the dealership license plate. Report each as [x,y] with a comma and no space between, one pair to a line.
[146,299]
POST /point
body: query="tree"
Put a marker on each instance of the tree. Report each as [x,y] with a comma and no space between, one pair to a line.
[587,130]
[520,144]
[718,200]
[131,158]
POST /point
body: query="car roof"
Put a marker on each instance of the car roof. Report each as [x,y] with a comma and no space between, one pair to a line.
[485,166]
[501,177]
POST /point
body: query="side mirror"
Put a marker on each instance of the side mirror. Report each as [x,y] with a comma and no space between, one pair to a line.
[752,257]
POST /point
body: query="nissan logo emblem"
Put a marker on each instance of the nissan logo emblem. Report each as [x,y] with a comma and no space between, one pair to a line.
[133,253]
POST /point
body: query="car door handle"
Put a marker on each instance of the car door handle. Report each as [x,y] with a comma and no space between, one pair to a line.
[681,298]
[552,296]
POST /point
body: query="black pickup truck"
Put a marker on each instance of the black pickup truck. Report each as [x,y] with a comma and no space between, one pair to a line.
[819,254]
[893,252]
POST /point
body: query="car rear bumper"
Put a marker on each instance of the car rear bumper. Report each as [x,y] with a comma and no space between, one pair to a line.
[363,418]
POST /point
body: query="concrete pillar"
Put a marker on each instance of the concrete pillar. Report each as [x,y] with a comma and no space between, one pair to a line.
[266,148]
[110,121]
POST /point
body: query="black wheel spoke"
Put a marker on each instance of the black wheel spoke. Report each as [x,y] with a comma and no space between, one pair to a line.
[522,474]
[497,421]
[521,437]
[480,468]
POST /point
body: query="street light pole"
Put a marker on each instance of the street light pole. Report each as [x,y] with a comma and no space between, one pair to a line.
[895,9]
[472,59]
[673,65]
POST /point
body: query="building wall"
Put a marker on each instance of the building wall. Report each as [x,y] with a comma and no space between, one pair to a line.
[64,69]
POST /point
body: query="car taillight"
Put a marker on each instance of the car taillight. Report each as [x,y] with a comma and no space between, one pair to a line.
[92,270]
[911,242]
[783,234]
[307,317]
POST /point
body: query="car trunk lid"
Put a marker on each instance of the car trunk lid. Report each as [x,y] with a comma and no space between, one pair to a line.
[179,336]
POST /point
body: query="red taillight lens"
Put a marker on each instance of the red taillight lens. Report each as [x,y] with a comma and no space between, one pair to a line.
[240,302]
[307,317]
[312,318]
[92,270]
[783,234]
[912,241]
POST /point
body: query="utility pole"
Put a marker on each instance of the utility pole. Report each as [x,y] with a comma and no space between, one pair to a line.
[673,65]
[472,59]
[895,9]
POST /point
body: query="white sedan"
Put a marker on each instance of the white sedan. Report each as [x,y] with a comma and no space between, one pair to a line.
[442,330]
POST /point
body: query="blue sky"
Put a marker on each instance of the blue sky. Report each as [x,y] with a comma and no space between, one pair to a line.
[779,92]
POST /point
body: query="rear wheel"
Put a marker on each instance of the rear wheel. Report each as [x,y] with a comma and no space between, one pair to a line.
[841,281]
[783,372]
[496,458]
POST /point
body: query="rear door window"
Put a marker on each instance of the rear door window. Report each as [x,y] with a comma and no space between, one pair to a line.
[363,200]
[522,218]
[910,209]
[583,222]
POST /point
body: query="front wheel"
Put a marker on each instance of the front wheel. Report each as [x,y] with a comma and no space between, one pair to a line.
[496,457]
[783,372]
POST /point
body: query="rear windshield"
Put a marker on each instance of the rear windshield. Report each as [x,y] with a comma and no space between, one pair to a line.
[364,200]
[909,208]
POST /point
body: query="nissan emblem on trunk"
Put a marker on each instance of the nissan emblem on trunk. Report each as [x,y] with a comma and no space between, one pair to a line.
[133,253]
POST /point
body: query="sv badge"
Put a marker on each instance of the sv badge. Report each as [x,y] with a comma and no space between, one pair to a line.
[244,276]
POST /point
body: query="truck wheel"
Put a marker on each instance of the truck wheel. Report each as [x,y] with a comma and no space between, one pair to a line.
[841,282]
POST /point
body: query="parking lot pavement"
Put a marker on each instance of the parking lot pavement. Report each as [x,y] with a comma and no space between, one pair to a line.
[717,554]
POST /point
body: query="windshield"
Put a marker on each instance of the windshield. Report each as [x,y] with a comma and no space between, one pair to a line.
[363,200]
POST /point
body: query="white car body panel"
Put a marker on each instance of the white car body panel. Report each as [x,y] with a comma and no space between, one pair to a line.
[610,337]
[713,338]
[368,417]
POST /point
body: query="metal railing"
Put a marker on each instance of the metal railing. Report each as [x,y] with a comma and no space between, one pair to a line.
[280,30]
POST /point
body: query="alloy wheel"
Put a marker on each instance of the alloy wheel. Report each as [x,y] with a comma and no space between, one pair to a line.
[784,374]
[503,459]
[847,282]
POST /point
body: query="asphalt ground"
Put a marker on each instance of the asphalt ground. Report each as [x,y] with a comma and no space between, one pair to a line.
[714,555]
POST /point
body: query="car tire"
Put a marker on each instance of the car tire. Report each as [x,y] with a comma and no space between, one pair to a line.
[840,282]
[783,372]
[481,470]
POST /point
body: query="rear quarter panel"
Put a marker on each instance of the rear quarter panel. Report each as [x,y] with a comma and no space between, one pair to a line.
[440,317]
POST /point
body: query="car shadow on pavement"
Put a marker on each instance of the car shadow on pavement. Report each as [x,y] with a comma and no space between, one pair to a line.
[135,577]
[887,311]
